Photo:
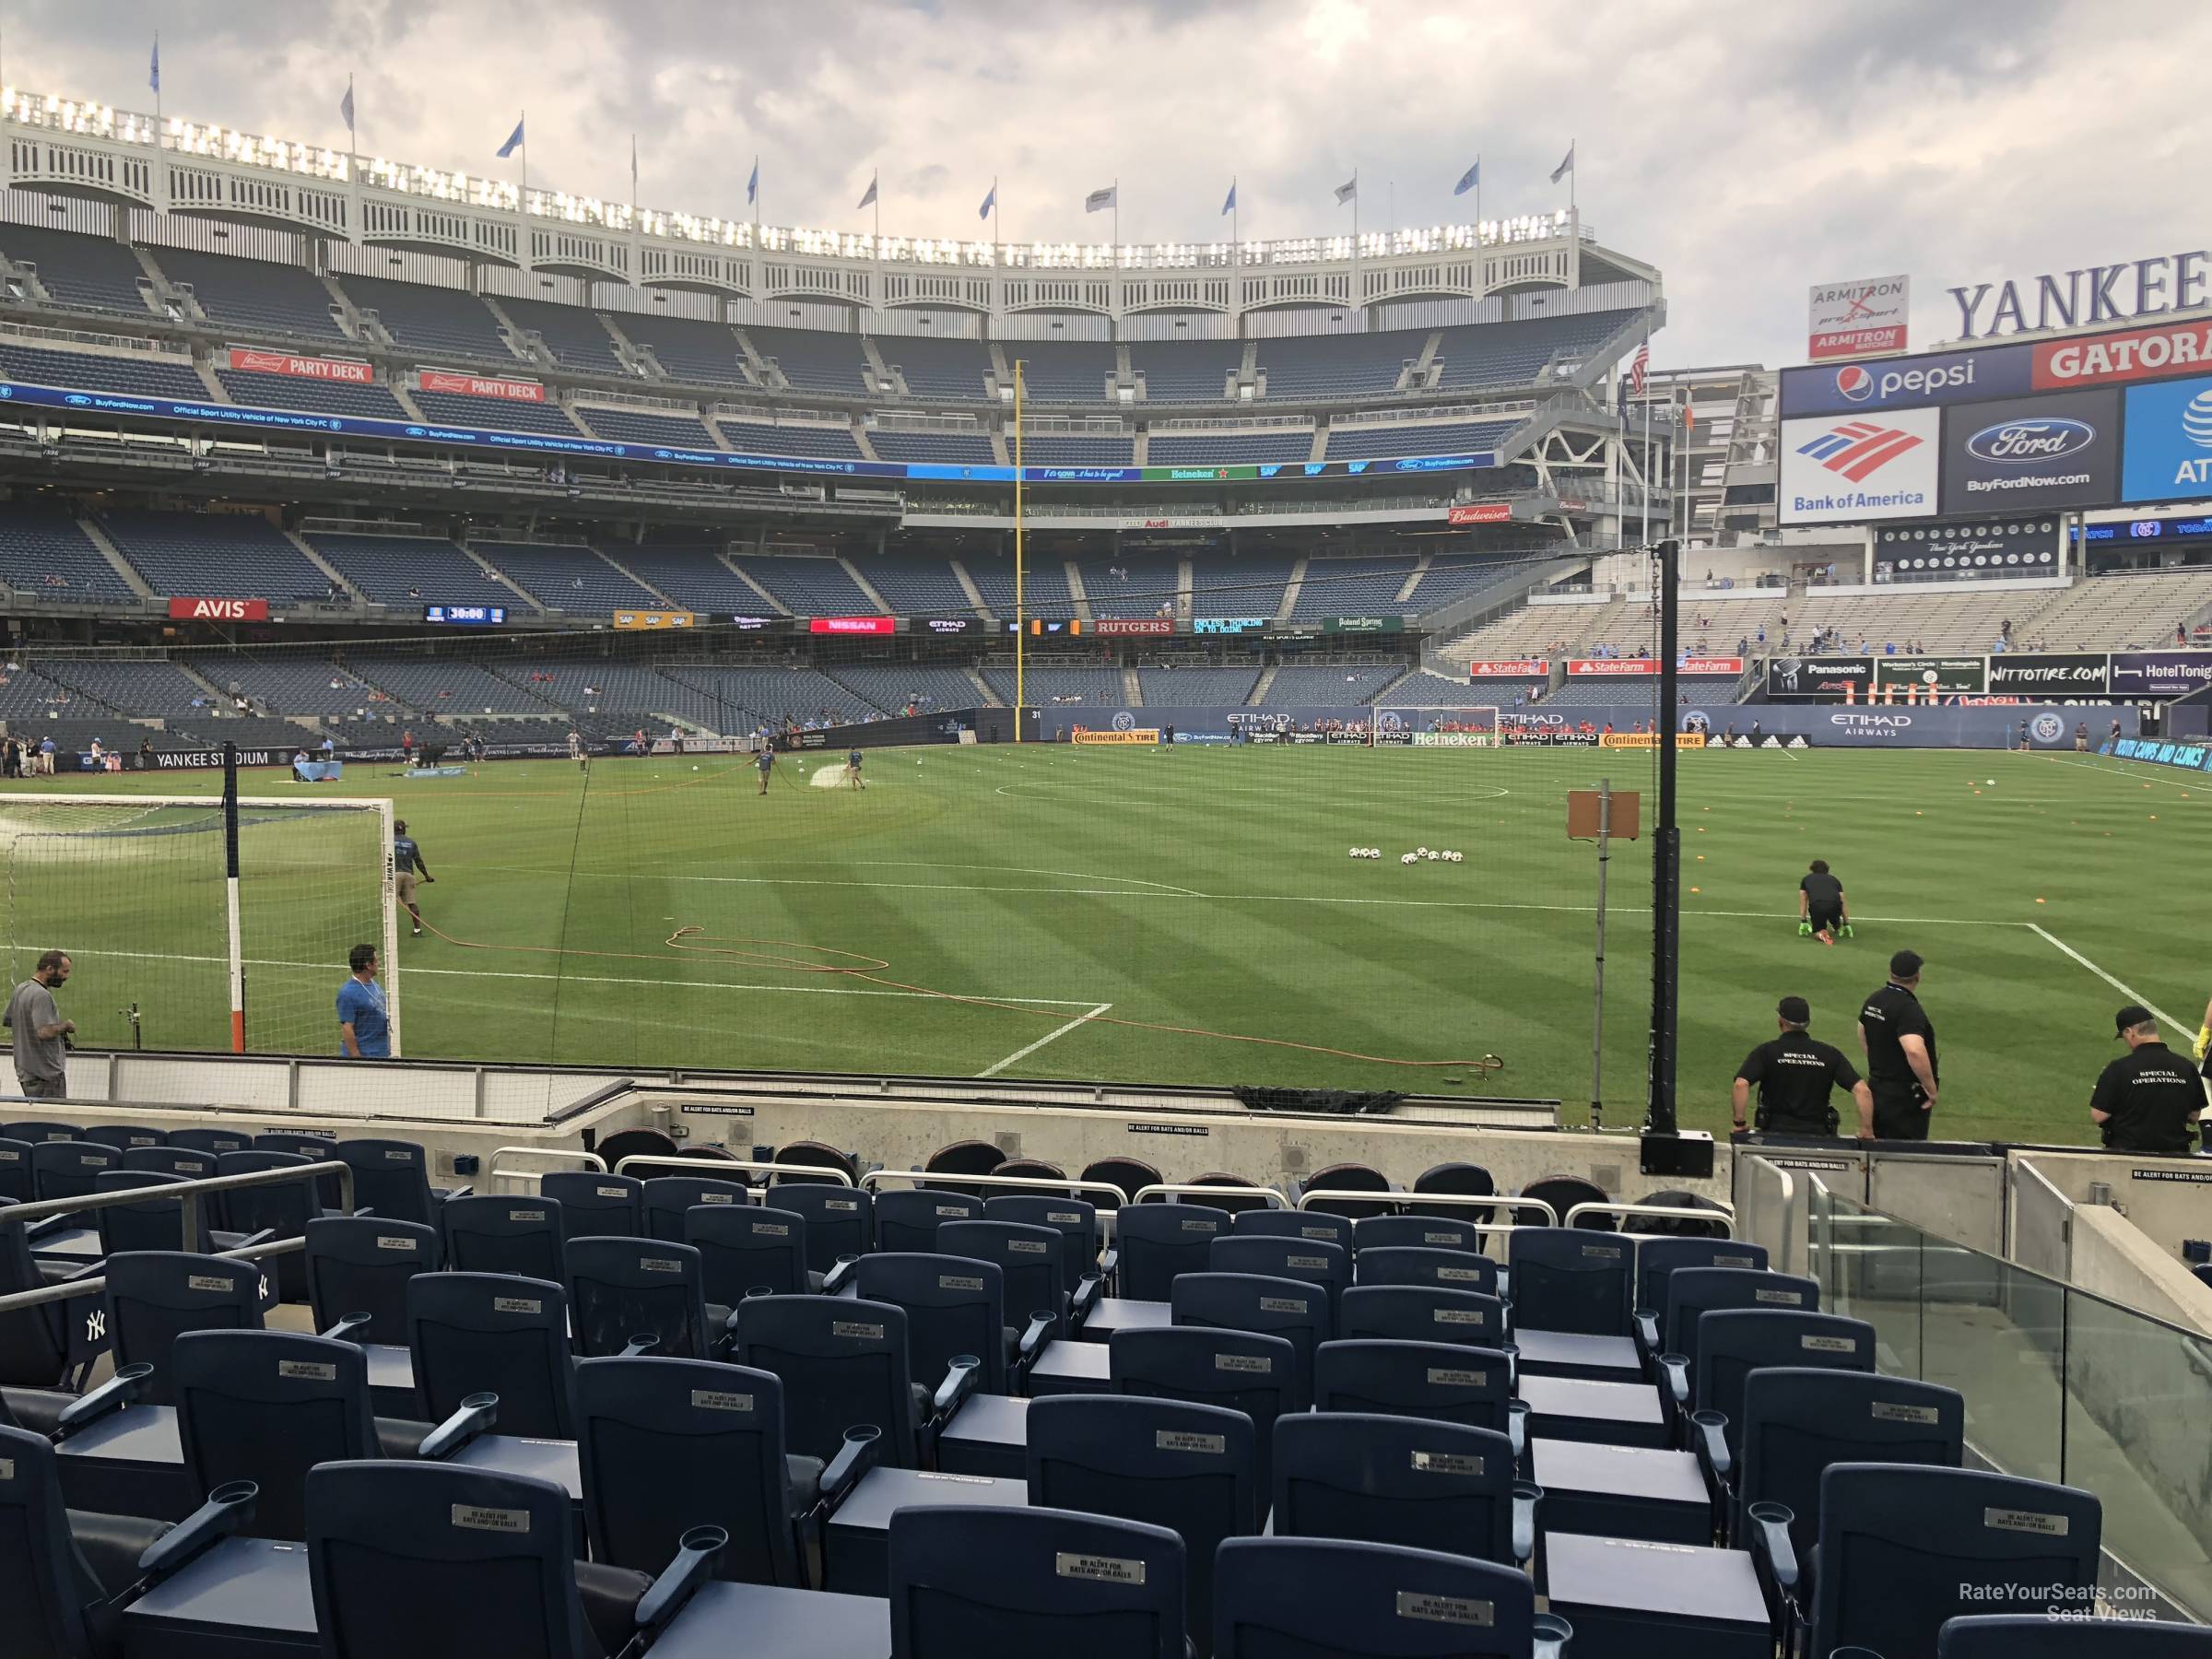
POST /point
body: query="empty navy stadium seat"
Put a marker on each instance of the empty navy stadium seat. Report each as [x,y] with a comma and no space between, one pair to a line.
[124,1136]
[1734,1343]
[1269,1307]
[484,1234]
[1310,1261]
[1318,1226]
[489,1333]
[217,1141]
[186,1163]
[1242,1372]
[1076,1222]
[1419,1230]
[1657,1260]
[1433,1380]
[1310,1598]
[843,1365]
[1345,1177]
[1798,1422]
[595,1205]
[626,1292]
[907,1219]
[283,1209]
[1033,1275]
[1387,1479]
[1158,1242]
[34,1341]
[1424,1313]
[39,1130]
[840,1221]
[1562,1192]
[391,1179]
[361,1264]
[666,1197]
[159,1222]
[1129,1176]
[69,1169]
[1692,1292]
[1565,1280]
[2031,1635]
[63,1573]
[1412,1265]
[15,1169]
[747,1252]
[954,1307]
[155,1296]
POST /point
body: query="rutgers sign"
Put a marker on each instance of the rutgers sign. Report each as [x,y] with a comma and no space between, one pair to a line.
[218,610]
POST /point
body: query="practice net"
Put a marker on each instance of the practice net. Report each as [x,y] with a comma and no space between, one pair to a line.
[136,889]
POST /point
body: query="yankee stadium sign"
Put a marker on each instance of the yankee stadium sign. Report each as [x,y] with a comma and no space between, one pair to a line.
[2136,288]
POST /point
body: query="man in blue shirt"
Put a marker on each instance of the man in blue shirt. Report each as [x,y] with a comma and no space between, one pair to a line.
[407,860]
[364,1027]
[852,770]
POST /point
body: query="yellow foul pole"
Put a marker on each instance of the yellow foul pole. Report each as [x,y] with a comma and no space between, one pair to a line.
[1021,621]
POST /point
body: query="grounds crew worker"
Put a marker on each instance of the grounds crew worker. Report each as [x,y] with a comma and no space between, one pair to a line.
[1899,1044]
[1794,1074]
[1821,903]
[2148,1101]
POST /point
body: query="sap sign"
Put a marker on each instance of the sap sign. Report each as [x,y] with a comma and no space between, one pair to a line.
[1908,383]
[2169,452]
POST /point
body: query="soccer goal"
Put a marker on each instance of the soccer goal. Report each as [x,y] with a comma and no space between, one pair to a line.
[1435,725]
[197,923]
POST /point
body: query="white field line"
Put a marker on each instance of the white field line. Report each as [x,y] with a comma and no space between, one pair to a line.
[2116,770]
[2133,995]
[1052,1036]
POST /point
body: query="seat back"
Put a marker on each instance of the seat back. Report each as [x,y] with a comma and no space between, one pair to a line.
[283,1208]
[1296,1311]
[1316,1227]
[214,1142]
[1346,1177]
[1692,1292]
[666,1197]
[38,1130]
[1658,1259]
[15,1169]
[625,1289]
[1419,1231]
[669,1444]
[1904,1548]
[843,1363]
[34,1342]
[1235,1202]
[267,1406]
[749,1249]
[1731,1343]
[1310,1598]
[1076,1222]
[44,1583]
[954,1305]
[186,1163]
[487,1333]
[840,1221]
[424,1559]
[1032,1272]
[1036,1169]
[1459,1180]
[802,1158]
[1701,1217]
[1395,1480]
[157,1224]
[1563,1193]
[964,1158]
[1797,1422]
[69,1169]
[1166,1463]
[125,1136]
[594,1204]
[155,1296]
[362,1265]
[391,1178]
[1158,1241]
[965,1582]
[1236,1371]
[1434,1380]
[2034,1636]
[1417,1264]
[1565,1280]
[315,1149]
[907,1219]
[1129,1176]
[1326,1267]
[488,1234]
[1423,1313]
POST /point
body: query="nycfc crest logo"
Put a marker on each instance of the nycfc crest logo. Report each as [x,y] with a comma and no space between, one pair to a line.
[1125,721]
[2048,728]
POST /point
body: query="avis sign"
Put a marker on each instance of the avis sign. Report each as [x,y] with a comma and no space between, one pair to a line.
[1862,318]
[218,610]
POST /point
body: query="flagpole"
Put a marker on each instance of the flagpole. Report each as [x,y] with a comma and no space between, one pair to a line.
[1645,469]
[1355,303]
[1117,224]
[1573,144]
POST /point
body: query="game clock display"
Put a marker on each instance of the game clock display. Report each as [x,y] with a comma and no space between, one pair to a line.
[466,616]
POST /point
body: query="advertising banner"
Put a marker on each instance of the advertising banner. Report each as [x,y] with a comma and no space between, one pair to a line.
[945,625]
[341,371]
[1967,551]
[1649,740]
[1229,625]
[1455,740]
[1948,676]
[1480,512]
[2032,454]
[1140,625]
[2196,757]
[624,618]
[852,625]
[2049,674]
[1610,667]
[1860,467]
[1145,734]
[1909,382]
[218,610]
[481,385]
[1363,625]
[2133,354]
[2168,455]
[1712,666]
[2161,673]
[1509,668]
[1819,677]
[1861,318]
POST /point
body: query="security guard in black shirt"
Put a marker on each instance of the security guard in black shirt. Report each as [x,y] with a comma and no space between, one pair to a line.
[2148,1100]
[1794,1075]
[1900,1045]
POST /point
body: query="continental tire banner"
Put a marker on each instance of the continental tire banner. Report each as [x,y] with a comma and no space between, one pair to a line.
[1644,740]
[1144,735]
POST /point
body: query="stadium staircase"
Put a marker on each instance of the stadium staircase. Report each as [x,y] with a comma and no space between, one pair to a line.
[205,370]
[1260,686]
[989,699]
[975,595]
[1076,593]
[1321,441]
[493,573]
[885,379]
[536,353]
[641,581]
[1184,604]
[1002,447]
[775,606]
[109,551]
[1132,690]
[217,697]
[1141,450]
[1413,581]
[1424,365]
[860,442]
[865,586]
[1290,593]
[337,579]
[637,361]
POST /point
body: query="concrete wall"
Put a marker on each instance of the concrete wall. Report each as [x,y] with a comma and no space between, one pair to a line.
[2113,1260]
[2167,1199]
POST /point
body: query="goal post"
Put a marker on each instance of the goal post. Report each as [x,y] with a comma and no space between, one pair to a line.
[1435,725]
[200,923]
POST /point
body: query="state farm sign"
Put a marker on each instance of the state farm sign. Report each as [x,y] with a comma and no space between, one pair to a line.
[1509,668]
[1611,665]
[218,610]
[1712,665]
[1480,512]
[342,370]
[478,386]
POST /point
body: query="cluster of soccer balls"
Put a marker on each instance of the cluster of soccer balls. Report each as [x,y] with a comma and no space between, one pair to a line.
[1431,854]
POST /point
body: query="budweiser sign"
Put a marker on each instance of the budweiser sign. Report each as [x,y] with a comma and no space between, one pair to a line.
[1141,625]
[342,370]
[1514,668]
[1712,665]
[218,610]
[480,385]
[1480,512]
[1603,667]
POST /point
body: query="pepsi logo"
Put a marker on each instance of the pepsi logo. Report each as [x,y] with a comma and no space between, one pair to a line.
[1854,383]
[2021,443]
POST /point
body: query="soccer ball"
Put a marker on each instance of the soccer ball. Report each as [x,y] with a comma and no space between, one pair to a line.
[1420,852]
[1408,858]
[1433,855]
[1991,781]
[1357,852]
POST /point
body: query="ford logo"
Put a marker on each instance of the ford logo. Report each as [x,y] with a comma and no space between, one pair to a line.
[2021,443]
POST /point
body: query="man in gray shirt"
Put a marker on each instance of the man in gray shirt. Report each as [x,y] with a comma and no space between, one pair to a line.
[42,1064]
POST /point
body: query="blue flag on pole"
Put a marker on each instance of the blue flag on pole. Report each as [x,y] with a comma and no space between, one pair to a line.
[752,185]
[870,197]
[1468,180]
[515,142]
[1229,206]
[1565,167]
[346,106]
[990,202]
[153,74]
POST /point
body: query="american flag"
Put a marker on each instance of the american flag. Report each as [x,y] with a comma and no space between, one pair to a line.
[1639,367]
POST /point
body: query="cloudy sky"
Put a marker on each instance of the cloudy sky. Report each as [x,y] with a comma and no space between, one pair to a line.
[1748,148]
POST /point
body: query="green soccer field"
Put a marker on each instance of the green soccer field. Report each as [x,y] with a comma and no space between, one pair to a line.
[1187,915]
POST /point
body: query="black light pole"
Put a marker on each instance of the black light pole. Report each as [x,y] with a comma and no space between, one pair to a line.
[1666,860]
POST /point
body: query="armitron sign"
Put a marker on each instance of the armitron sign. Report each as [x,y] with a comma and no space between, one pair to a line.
[218,610]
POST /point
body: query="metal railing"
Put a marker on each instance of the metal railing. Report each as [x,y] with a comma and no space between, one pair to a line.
[708,1165]
[1176,1189]
[1401,1200]
[1723,1216]
[1771,1211]
[588,1160]
[944,1178]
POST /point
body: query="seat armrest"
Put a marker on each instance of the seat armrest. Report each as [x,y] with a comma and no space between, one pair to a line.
[1552,1635]
[1084,1298]
[644,1341]
[1110,1259]
[53,1224]
[854,1459]
[961,1379]
[1516,1427]
[1647,1330]
[228,1508]
[1772,1550]
[1034,1338]
[1526,1496]
[698,1554]
[445,1194]
[1675,1368]
[347,1325]
[1708,1432]
[834,1280]
[477,1414]
[121,1390]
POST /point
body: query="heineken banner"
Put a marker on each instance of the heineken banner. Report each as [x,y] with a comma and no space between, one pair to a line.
[1948,676]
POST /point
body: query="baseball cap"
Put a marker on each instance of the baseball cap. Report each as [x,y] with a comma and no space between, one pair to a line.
[1795,1009]
[2129,1017]
[1905,964]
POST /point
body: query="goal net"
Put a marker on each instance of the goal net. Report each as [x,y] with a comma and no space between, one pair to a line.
[137,889]
[1435,725]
